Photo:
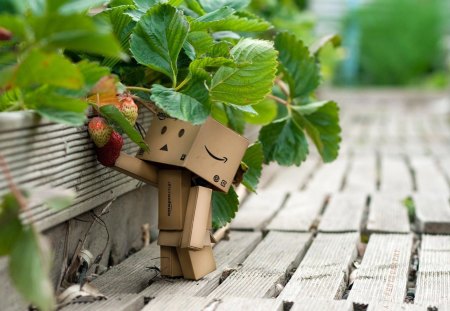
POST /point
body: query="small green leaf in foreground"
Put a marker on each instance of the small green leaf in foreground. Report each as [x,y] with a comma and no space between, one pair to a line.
[10,225]
[29,267]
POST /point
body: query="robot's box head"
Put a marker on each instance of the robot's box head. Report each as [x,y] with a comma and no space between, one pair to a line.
[211,150]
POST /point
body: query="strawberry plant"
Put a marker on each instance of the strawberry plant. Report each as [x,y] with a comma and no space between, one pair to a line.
[190,59]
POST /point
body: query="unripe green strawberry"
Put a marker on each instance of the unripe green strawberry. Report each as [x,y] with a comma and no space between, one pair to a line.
[128,108]
[100,131]
[108,154]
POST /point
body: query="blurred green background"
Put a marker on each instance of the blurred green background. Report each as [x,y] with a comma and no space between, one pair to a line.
[402,43]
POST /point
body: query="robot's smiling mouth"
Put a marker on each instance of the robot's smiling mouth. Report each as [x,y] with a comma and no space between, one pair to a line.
[224,159]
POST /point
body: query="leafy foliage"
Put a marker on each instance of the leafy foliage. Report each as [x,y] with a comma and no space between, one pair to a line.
[253,159]
[224,207]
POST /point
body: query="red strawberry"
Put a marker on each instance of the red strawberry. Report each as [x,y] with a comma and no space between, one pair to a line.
[5,34]
[128,108]
[108,154]
[99,130]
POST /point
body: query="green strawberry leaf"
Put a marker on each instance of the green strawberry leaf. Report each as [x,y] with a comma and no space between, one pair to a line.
[40,68]
[224,207]
[29,268]
[179,105]
[92,73]
[321,122]
[10,224]
[212,5]
[54,105]
[230,23]
[300,68]
[76,32]
[266,111]
[216,15]
[253,158]
[199,67]
[158,39]
[112,114]
[251,80]
[283,141]
[201,41]
[334,39]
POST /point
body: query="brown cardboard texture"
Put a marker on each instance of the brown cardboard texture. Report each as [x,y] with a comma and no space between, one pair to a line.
[197,216]
[212,151]
[170,264]
[173,238]
[136,168]
[196,264]
[174,186]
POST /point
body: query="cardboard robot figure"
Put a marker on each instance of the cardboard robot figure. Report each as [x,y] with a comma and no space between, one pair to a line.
[185,152]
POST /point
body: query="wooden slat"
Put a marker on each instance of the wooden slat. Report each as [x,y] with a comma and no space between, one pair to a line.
[228,254]
[329,177]
[344,213]
[130,276]
[266,266]
[293,178]
[428,177]
[246,304]
[395,175]
[178,303]
[385,306]
[299,213]
[362,176]
[387,214]
[432,213]
[309,304]
[383,273]
[126,302]
[41,153]
[433,277]
[323,272]
[258,210]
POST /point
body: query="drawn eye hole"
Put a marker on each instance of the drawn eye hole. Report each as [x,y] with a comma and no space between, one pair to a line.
[163,130]
[181,133]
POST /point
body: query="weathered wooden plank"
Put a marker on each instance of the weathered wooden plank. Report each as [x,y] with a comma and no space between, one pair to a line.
[383,273]
[126,302]
[386,306]
[432,213]
[130,276]
[387,214]
[178,303]
[433,277]
[293,178]
[310,304]
[395,175]
[266,266]
[329,177]
[299,213]
[323,272]
[362,175]
[428,177]
[258,210]
[246,304]
[344,213]
[228,253]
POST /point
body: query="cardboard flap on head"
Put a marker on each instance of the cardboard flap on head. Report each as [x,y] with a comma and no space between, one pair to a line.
[136,168]
[216,154]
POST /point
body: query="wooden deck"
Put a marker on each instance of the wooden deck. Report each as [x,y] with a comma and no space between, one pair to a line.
[327,237]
